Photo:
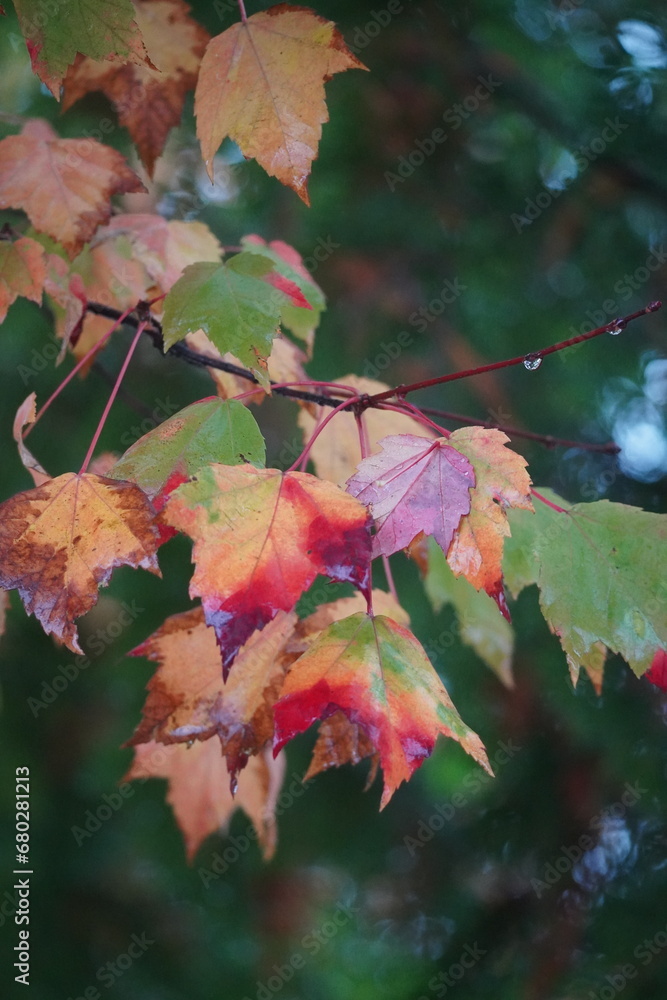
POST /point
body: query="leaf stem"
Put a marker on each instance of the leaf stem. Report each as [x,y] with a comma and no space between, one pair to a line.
[112,396]
[68,378]
[318,430]
[244,16]
[621,321]
[554,506]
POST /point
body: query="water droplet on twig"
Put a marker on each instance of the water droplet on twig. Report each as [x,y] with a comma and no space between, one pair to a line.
[618,327]
[532,362]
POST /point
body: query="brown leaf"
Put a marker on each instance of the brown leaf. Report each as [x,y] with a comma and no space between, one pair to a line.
[64,185]
[61,541]
[149,101]
[187,699]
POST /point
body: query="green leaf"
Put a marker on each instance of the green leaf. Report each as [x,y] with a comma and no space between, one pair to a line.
[600,568]
[233,303]
[210,430]
[480,623]
[57,31]
[302,322]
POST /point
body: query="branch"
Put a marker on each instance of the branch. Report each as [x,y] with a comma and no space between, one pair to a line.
[530,361]
[548,440]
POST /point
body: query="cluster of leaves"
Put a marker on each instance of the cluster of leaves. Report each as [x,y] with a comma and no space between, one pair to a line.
[242,674]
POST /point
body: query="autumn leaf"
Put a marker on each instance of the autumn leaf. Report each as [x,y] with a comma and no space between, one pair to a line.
[187,699]
[376,672]
[261,537]
[206,431]
[25,418]
[479,624]
[61,541]
[199,790]
[22,272]
[237,304]
[501,481]
[98,30]
[261,83]
[63,185]
[600,570]
[149,101]
[335,452]
[302,322]
[339,742]
[415,484]
[165,247]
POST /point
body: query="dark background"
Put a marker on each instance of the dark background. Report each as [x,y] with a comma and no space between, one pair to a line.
[562,70]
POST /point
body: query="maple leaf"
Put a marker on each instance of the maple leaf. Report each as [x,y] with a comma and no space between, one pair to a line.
[377,673]
[415,484]
[479,624]
[335,452]
[95,29]
[302,322]
[149,101]
[106,272]
[261,83]
[600,570]
[22,272]
[60,541]
[261,537]
[187,699]
[237,304]
[164,246]
[199,790]
[339,742]
[209,430]
[501,481]
[25,417]
[63,185]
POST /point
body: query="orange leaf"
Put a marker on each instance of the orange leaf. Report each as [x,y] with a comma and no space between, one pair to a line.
[61,541]
[262,84]
[199,790]
[261,537]
[64,185]
[22,272]
[377,673]
[187,699]
[501,481]
[149,101]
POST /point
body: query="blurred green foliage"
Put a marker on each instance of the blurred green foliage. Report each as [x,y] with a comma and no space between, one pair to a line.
[448,869]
